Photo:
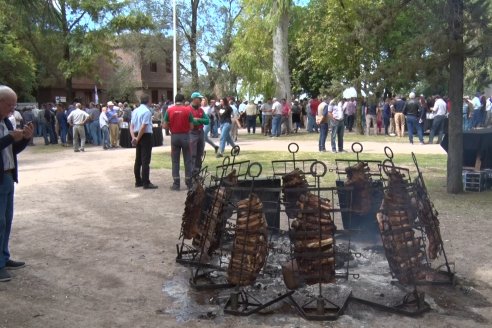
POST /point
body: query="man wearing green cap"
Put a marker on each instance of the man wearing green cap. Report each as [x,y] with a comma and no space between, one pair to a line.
[197,137]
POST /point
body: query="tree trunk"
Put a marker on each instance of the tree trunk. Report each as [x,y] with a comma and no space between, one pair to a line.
[455,127]
[358,110]
[281,53]
[193,43]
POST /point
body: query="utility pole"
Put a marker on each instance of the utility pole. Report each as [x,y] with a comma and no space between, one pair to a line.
[175,53]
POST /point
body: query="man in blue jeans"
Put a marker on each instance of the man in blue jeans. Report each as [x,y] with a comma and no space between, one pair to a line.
[440,110]
[276,118]
[12,142]
[411,112]
[337,125]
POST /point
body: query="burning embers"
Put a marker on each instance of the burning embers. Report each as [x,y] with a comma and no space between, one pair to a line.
[405,252]
[250,247]
[407,223]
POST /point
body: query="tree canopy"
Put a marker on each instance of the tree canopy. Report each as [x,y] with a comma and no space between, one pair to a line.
[67,38]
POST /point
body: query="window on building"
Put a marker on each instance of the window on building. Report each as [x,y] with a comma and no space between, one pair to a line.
[169,65]
[155,96]
[153,67]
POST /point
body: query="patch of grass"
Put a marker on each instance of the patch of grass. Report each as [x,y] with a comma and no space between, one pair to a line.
[432,166]
[348,137]
[429,163]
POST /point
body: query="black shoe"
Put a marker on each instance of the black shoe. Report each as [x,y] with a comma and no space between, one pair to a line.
[138,184]
[150,186]
[174,187]
[13,265]
[216,149]
[76,150]
[4,275]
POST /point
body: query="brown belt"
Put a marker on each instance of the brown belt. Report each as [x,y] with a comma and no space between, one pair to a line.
[9,172]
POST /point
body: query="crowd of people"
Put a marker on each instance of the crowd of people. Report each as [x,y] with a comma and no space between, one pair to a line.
[77,124]
[94,124]
[194,123]
[274,117]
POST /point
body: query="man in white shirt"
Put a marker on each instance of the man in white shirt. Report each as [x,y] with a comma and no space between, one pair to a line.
[439,110]
[276,118]
[488,112]
[77,119]
[477,117]
[337,125]
[18,119]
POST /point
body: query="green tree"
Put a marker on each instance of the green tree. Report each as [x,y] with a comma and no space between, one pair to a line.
[18,66]
[260,49]
[206,32]
[251,55]
[81,31]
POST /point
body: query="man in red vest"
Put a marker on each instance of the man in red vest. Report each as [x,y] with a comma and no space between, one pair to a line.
[179,120]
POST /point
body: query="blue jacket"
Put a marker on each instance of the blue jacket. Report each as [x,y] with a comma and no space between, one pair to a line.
[17,147]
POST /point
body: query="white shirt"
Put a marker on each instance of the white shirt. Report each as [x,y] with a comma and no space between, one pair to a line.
[18,118]
[103,120]
[476,103]
[488,105]
[440,107]
[336,110]
[12,120]
[77,117]
[277,108]
[207,110]
[7,153]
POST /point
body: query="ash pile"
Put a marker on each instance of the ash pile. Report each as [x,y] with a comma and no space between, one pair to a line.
[290,240]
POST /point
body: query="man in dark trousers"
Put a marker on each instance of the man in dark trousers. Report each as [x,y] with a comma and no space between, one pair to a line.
[12,142]
[141,132]
[197,137]
[179,120]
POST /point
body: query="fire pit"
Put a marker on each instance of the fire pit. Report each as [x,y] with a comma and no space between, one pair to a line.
[303,258]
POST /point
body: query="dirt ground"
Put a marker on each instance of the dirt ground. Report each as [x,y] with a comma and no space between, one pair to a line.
[101,253]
